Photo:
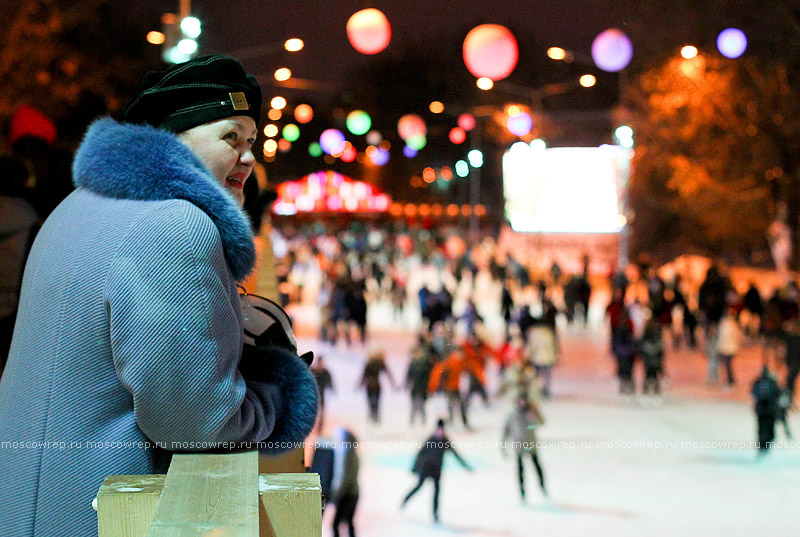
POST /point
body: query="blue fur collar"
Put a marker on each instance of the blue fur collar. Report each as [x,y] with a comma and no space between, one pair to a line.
[140,162]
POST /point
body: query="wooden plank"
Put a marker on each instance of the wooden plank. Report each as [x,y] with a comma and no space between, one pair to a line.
[209,495]
[126,504]
[291,505]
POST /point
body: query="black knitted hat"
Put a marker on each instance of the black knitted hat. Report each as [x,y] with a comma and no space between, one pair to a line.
[198,91]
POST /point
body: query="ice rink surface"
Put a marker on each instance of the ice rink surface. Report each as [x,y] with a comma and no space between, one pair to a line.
[613,467]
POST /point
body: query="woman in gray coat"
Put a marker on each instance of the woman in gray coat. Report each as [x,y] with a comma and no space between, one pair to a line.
[129,333]
[520,428]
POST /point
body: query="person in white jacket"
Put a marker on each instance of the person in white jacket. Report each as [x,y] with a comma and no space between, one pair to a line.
[730,335]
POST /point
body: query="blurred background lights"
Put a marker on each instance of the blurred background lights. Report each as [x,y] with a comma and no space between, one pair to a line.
[358,122]
[411,125]
[190,26]
[156,38]
[437,107]
[284,145]
[283,74]
[520,124]
[291,132]
[369,31]
[623,131]
[270,130]
[612,50]
[462,168]
[587,81]
[475,158]
[731,42]
[466,121]
[279,103]
[519,147]
[294,44]
[409,151]
[374,137]
[689,52]
[270,146]
[457,135]
[187,46]
[556,53]
[624,135]
[350,153]
[303,113]
[332,141]
[314,149]
[274,114]
[380,157]
[538,144]
[418,141]
[490,51]
[484,83]
[428,175]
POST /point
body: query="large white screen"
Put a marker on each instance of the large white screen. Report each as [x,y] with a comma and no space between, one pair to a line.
[565,190]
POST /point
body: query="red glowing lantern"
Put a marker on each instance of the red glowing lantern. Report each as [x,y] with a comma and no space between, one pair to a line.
[490,51]
[457,135]
[369,31]
[411,125]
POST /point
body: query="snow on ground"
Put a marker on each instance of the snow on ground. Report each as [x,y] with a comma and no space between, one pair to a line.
[613,468]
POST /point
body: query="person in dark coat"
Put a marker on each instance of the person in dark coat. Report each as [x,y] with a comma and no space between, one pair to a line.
[623,346]
[418,376]
[370,380]
[428,464]
[18,225]
[766,393]
[324,383]
[344,482]
[652,351]
[791,355]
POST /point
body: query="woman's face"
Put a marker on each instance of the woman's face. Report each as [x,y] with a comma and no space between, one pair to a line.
[224,146]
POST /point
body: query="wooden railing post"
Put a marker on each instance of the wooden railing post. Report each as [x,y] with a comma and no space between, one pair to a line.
[210,494]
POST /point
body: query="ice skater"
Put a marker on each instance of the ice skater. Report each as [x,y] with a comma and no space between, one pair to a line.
[428,464]
[520,428]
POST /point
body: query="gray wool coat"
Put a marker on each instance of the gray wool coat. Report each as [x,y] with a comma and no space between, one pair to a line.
[129,334]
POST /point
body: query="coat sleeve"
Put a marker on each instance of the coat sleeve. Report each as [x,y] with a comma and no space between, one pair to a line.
[176,334]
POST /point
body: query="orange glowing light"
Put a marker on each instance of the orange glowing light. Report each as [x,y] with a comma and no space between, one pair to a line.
[303,113]
[556,53]
[490,51]
[270,130]
[436,107]
[156,38]
[274,114]
[410,209]
[452,210]
[689,52]
[437,210]
[294,44]
[284,145]
[484,83]
[447,173]
[466,210]
[480,210]
[283,74]
[395,209]
[424,209]
[385,145]
[428,175]
[279,103]
[270,146]
[587,81]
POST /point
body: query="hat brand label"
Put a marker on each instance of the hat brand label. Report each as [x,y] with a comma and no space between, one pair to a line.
[239,101]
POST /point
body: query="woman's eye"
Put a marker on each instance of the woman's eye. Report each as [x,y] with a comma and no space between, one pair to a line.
[251,141]
[231,136]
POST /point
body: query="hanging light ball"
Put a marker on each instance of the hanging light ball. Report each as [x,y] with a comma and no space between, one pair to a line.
[332,141]
[411,125]
[612,50]
[490,51]
[358,122]
[520,124]
[731,42]
[369,31]
[466,121]
[457,135]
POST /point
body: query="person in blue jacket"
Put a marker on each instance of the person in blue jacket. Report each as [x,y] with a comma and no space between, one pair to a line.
[129,335]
